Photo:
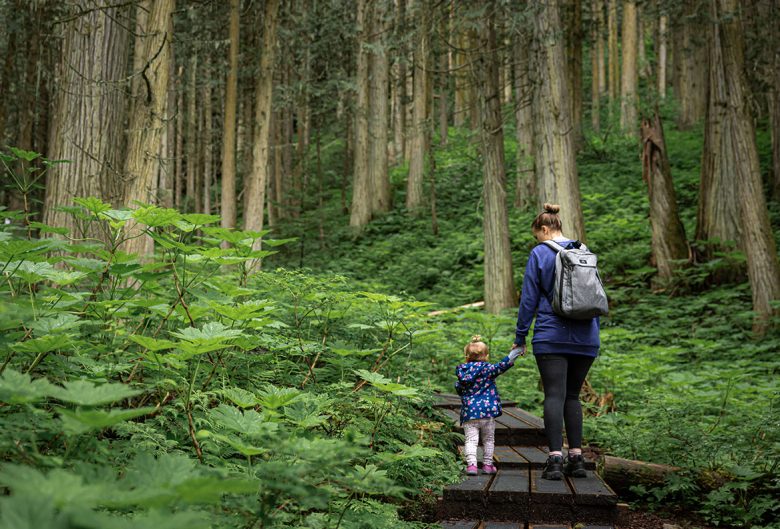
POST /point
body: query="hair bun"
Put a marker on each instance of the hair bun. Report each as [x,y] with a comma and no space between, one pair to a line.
[476,338]
[551,208]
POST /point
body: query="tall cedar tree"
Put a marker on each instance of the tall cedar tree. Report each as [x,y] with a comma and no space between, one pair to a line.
[629,77]
[229,123]
[731,203]
[258,178]
[360,213]
[89,111]
[419,140]
[499,282]
[554,156]
[146,120]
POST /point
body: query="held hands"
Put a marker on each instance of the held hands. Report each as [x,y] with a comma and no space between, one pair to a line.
[517,350]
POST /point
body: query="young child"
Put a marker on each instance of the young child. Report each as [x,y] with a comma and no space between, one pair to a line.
[480,403]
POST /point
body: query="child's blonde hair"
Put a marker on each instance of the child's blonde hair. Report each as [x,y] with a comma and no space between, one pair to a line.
[476,349]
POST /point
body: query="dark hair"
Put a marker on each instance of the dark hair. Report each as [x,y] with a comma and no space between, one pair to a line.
[549,217]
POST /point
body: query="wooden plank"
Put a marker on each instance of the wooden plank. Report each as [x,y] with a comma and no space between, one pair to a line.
[503,525]
[551,501]
[459,524]
[453,415]
[591,490]
[507,458]
[523,415]
[472,489]
[599,527]
[515,423]
[535,456]
[510,485]
[590,464]
[544,526]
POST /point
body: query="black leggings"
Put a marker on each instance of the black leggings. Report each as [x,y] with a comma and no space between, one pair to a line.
[562,378]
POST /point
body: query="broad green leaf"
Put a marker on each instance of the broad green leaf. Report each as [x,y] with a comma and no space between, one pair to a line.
[152,344]
[248,422]
[62,487]
[86,393]
[30,511]
[235,443]
[19,388]
[45,344]
[209,333]
[82,421]
[92,204]
[274,398]
[240,397]
[27,156]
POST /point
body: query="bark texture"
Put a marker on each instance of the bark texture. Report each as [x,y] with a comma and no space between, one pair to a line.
[228,199]
[629,75]
[525,185]
[614,58]
[554,156]
[360,213]
[663,38]
[89,112]
[147,121]
[690,63]
[379,112]
[258,178]
[732,203]
[668,235]
[420,134]
[499,282]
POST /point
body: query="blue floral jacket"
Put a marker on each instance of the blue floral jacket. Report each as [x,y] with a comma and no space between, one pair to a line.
[477,389]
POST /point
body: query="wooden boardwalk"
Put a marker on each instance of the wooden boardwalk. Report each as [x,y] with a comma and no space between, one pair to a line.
[517,497]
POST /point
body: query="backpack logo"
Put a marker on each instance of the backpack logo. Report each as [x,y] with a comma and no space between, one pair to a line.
[577,292]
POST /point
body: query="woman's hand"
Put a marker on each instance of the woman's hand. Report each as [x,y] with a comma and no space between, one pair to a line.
[517,350]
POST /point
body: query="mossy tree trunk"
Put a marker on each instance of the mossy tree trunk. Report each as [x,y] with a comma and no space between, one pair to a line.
[499,282]
[732,204]
[228,185]
[668,234]
[554,156]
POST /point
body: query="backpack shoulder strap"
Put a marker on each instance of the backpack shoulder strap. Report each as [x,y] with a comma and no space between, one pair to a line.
[554,245]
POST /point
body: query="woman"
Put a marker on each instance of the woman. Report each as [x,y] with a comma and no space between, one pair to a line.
[564,348]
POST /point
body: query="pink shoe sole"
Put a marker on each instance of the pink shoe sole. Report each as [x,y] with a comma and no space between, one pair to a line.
[489,469]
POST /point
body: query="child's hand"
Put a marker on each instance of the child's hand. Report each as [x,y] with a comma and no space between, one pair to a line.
[517,350]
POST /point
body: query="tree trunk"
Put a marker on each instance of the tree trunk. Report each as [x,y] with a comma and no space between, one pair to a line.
[462,111]
[360,214]
[690,65]
[419,141]
[399,93]
[621,474]
[735,209]
[554,157]
[208,136]
[444,82]
[5,79]
[574,65]
[525,187]
[668,235]
[146,121]
[663,38]
[614,59]
[229,200]
[142,8]
[378,114]
[629,79]
[168,162]
[191,198]
[774,107]
[499,282]
[596,81]
[598,8]
[179,176]
[89,112]
[255,202]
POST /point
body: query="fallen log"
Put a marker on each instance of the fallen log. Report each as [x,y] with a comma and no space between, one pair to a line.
[621,473]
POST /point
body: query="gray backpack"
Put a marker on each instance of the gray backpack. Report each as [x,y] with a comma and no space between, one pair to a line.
[578,292]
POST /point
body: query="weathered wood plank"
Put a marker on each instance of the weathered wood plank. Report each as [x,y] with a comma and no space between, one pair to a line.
[507,458]
[535,456]
[551,501]
[471,489]
[591,490]
[510,485]
[453,415]
[515,423]
[544,526]
[599,527]
[503,525]
[523,415]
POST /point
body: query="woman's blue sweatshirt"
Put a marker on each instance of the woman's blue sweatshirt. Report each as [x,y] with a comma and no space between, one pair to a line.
[552,333]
